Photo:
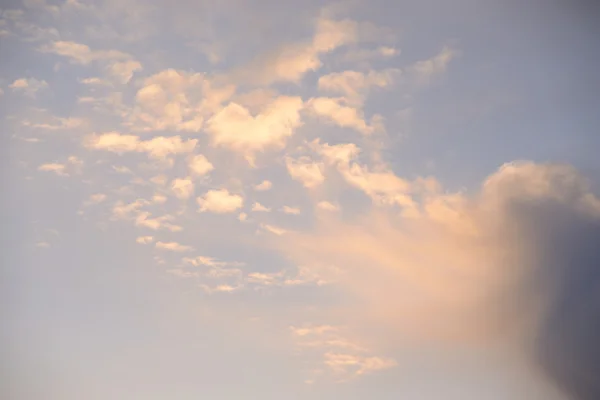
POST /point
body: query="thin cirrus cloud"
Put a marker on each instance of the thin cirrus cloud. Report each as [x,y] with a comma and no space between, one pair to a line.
[313,200]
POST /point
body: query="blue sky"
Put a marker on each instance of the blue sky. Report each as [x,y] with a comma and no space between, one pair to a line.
[306,201]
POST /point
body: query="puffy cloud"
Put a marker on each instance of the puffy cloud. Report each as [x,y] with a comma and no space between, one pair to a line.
[173,246]
[199,165]
[273,229]
[257,207]
[290,210]
[119,65]
[58,169]
[157,147]
[143,220]
[144,239]
[304,170]
[235,128]
[338,112]
[291,62]
[28,86]
[263,186]
[327,206]
[354,84]
[179,100]
[183,188]
[220,201]
[339,154]
[72,164]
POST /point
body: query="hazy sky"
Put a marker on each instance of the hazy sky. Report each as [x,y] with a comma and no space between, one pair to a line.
[299,200]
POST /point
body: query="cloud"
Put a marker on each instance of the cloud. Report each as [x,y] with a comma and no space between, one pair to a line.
[499,266]
[73,164]
[119,65]
[291,210]
[183,188]
[143,219]
[144,239]
[306,171]
[354,84]
[235,128]
[178,100]
[199,165]
[424,71]
[173,246]
[263,186]
[220,201]
[58,124]
[28,86]
[327,206]
[96,198]
[292,61]
[337,111]
[273,229]
[257,207]
[58,169]
[158,147]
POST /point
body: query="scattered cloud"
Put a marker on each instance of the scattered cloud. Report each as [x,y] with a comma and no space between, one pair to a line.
[235,128]
[183,188]
[199,165]
[28,86]
[257,207]
[263,186]
[158,147]
[290,210]
[144,239]
[306,171]
[173,246]
[220,201]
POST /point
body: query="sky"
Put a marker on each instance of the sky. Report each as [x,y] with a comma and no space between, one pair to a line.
[299,200]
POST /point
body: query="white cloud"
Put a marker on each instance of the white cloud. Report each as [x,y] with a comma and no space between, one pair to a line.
[28,86]
[220,201]
[183,188]
[257,207]
[235,128]
[273,229]
[291,210]
[97,198]
[144,239]
[199,165]
[263,186]
[339,154]
[304,170]
[57,124]
[243,216]
[119,65]
[95,81]
[157,147]
[143,219]
[58,169]
[425,70]
[342,363]
[73,164]
[159,198]
[291,62]
[177,100]
[355,84]
[173,246]
[339,112]
[327,206]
